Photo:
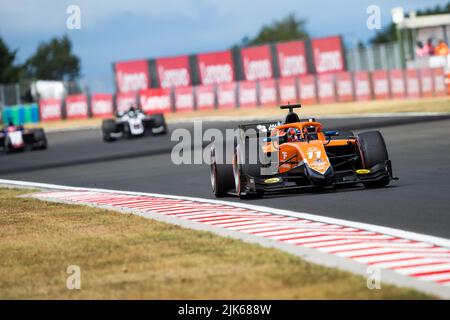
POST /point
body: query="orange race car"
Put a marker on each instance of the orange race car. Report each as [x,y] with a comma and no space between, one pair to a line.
[270,157]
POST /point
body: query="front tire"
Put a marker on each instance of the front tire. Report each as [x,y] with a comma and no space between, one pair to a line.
[127,131]
[160,126]
[108,127]
[7,145]
[41,139]
[373,151]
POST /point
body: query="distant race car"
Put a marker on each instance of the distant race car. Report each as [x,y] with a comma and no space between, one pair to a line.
[133,123]
[18,138]
[307,156]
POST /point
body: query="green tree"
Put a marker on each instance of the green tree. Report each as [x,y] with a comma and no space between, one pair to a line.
[288,28]
[54,61]
[388,34]
[9,72]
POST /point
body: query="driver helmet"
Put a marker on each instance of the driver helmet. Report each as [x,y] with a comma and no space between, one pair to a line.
[293,134]
[132,108]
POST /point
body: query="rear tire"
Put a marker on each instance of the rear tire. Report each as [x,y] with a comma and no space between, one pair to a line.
[222,179]
[373,151]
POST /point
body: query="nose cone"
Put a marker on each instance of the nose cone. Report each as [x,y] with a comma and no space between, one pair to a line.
[320,178]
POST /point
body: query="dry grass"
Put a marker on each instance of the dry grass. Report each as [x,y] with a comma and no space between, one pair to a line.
[129,257]
[441,104]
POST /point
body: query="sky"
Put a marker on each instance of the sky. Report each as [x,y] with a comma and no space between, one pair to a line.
[123,30]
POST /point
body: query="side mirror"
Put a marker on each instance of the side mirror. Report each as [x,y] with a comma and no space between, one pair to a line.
[331,133]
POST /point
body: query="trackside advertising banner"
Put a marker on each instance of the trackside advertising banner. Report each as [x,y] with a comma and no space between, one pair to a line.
[247,94]
[125,100]
[325,88]
[226,95]
[288,90]
[156,100]
[380,81]
[173,72]
[205,97]
[215,67]
[363,89]
[268,93]
[344,86]
[412,83]
[307,89]
[328,54]
[439,82]
[77,107]
[291,58]
[102,105]
[426,82]
[398,87]
[257,63]
[184,99]
[132,76]
[50,109]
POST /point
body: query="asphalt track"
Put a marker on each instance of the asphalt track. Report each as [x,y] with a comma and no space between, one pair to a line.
[419,148]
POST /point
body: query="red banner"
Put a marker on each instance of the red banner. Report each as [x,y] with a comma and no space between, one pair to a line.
[398,88]
[325,88]
[344,86]
[205,97]
[226,95]
[247,94]
[257,62]
[77,107]
[155,100]
[328,54]
[125,101]
[288,90]
[50,109]
[132,76]
[439,82]
[173,72]
[412,83]
[184,99]
[268,93]
[215,67]
[307,89]
[380,81]
[102,105]
[291,58]
[426,82]
[363,89]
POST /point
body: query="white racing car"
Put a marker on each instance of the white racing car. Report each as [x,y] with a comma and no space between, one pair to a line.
[133,123]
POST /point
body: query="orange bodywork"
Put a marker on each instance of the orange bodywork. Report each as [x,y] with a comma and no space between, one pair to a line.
[309,152]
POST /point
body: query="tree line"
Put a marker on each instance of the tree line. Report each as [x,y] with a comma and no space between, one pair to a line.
[53,60]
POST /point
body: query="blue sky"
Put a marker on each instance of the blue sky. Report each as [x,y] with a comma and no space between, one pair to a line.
[121,30]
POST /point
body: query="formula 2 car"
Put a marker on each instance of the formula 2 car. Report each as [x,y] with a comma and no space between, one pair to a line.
[133,123]
[298,154]
[18,138]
